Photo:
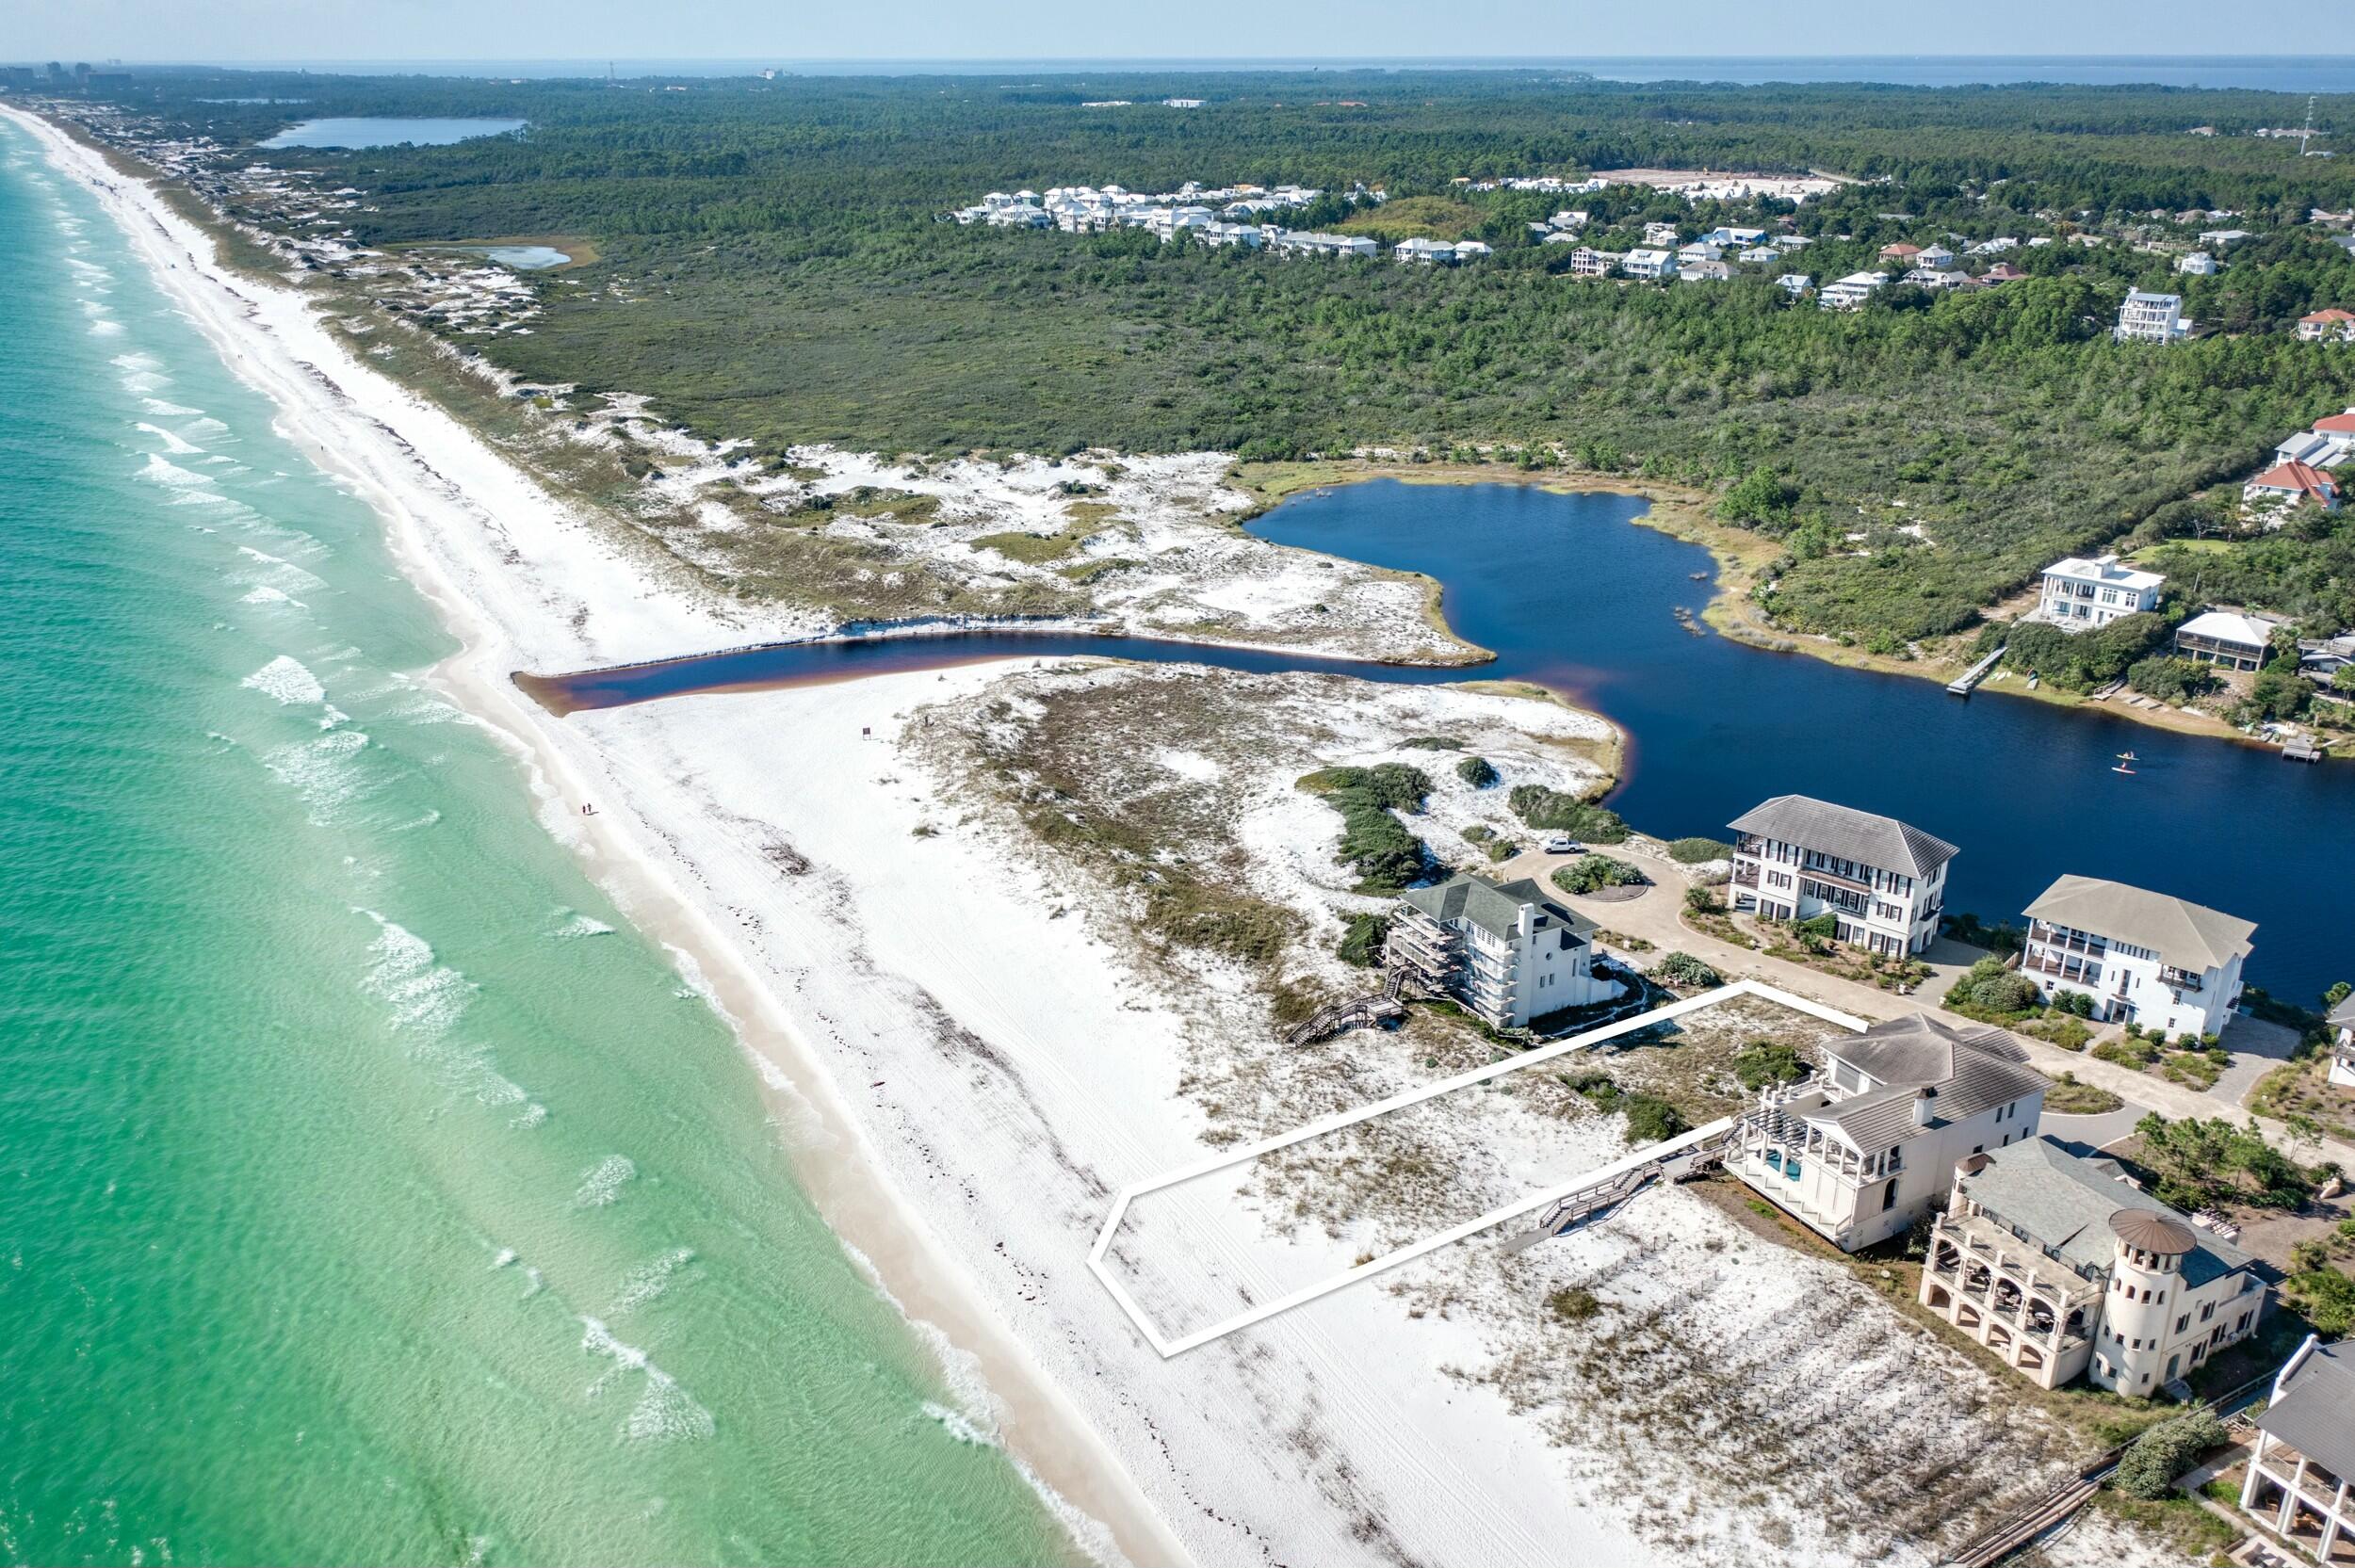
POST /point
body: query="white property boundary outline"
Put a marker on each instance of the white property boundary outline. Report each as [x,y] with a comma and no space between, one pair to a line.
[1168,1346]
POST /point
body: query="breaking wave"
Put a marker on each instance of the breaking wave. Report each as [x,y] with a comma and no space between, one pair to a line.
[286,680]
[601,1184]
[664,1411]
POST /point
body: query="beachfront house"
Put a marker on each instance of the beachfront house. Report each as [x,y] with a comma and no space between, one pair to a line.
[2146,318]
[2331,326]
[2141,957]
[2080,594]
[1866,1148]
[2062,1265]
[2290,484]
[2301,1474]
[1504,950]
[2228,638]
[1850,291]
[1645,262]
[1884,882]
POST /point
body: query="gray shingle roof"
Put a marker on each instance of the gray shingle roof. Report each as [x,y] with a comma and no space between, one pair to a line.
[2343,1014]
[2065,1204]
[1967,1070]
[2316,1410]
[1882,1118]
[1847,833]
[2184,935]
[1494,907]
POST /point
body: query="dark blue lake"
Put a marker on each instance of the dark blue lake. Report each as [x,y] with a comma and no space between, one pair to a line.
[1568,593]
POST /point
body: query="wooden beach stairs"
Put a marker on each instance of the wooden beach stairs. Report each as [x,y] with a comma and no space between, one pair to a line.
[1358,1013]
[2043,1515]
[1573,1209]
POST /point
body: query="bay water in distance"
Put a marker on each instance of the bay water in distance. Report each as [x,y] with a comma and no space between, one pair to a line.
[366,1193]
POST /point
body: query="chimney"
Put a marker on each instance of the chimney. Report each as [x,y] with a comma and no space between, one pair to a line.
[1922,1105]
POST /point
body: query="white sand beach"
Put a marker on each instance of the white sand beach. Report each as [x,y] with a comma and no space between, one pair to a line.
[966,1063]
[973,1190]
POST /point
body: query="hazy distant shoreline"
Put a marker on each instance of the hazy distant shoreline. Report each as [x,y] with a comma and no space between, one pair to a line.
[2264,72]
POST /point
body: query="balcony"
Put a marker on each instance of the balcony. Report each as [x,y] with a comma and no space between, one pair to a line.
[1746,874]
[2054,940]
[1812,867]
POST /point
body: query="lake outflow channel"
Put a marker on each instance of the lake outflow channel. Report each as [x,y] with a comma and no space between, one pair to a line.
[1569,595]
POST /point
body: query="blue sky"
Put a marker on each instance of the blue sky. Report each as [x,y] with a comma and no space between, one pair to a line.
[769,31]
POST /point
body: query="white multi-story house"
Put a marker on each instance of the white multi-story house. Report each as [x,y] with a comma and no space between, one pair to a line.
[1645,262]
[2146,318]
[1885,883]
[1794,283]
[2197,265]
[1730,238]
[2300,1474]
[1506,951]
[1700,251]
[2342,1022]
[1934,279]
[1662,235]
[2062,1265]
[1424,251]
[2332,326]
[2142,957]
[1587,262]
[1850,291]
[1935,259]
[2080,594]
[1867,1148]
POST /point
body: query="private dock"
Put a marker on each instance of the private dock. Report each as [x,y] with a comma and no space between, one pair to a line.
[1960,685]
[2300,750]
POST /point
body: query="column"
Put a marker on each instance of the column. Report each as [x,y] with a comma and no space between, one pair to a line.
[2249,1483]
[2330,1526]
[2289,1498]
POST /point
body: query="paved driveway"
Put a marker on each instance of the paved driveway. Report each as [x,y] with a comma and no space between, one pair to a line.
[2257,1046]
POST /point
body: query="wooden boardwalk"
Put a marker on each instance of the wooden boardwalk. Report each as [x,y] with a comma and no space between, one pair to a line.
[1960,685]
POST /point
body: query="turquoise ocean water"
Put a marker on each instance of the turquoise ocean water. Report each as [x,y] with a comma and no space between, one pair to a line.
[364,1195]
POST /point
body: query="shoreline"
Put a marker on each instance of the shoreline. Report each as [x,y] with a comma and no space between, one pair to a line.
[415,488]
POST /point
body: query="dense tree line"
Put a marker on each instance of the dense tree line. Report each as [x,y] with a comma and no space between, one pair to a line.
[775,266]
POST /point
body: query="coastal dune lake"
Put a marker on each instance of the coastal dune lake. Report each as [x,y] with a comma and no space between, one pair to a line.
[373,131]
[1568,592]
[1569,595]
